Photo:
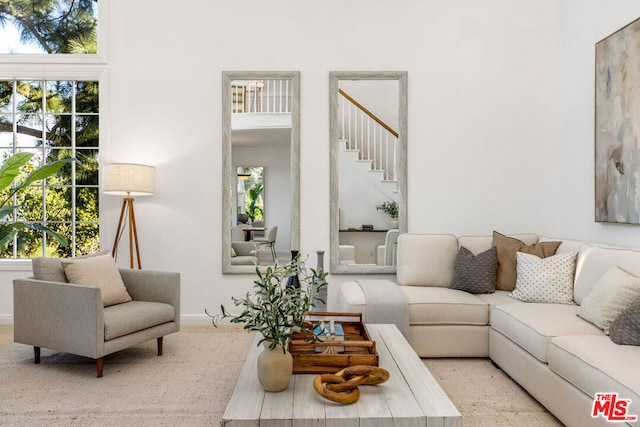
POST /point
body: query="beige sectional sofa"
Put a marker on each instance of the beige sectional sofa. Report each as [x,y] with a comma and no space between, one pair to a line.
[556,355]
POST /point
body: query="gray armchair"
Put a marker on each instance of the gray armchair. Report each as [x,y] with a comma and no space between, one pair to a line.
[71,318]
[243,253]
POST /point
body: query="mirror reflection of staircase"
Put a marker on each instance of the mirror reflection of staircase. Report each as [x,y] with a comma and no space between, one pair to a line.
[367,164]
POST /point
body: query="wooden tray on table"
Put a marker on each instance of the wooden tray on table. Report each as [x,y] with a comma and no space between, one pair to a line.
[359,349]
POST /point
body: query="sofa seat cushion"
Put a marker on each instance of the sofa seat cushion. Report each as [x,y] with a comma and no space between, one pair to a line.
[123,319]
[444,306]
[498,298]
[533,325]
[594,364]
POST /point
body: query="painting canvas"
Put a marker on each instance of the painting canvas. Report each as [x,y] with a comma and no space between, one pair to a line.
[617,127]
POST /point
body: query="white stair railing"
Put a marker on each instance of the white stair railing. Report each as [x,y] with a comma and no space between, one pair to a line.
[365,132]
[261,96]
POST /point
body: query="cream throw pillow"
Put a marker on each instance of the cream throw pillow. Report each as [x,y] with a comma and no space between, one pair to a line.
[100,271]
[616,291]
[545,280]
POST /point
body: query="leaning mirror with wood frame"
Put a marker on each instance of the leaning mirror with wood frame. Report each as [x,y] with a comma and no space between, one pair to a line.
[261,169]
[368,170]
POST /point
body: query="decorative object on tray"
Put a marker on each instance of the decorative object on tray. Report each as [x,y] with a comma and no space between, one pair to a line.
[329,332]
[278,313]
[342,387]
[358,347]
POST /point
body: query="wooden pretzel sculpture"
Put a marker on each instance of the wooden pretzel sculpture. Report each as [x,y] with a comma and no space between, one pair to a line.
[342,387]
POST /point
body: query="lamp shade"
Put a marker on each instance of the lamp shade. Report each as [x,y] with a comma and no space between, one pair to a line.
[129,179]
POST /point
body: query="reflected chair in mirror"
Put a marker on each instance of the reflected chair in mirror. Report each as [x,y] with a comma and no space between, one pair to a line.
[269,242]
[238,233]
[386,254]
[243,253]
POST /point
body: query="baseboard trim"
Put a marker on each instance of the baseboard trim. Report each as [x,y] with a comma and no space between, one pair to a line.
[195,320]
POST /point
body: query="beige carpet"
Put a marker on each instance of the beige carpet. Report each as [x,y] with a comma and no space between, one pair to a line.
[192,382]
[486,396]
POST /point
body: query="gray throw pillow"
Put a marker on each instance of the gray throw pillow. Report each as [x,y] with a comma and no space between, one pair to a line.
[475,274]
[625,329]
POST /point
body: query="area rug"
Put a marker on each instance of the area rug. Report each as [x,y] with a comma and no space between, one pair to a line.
[192,382]
[486,396]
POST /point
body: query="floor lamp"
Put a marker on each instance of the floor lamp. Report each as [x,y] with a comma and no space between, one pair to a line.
[128,179]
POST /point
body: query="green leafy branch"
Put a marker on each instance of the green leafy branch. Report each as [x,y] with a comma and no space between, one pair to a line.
[9,171]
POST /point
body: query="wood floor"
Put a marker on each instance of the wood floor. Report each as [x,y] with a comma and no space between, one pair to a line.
[6,336]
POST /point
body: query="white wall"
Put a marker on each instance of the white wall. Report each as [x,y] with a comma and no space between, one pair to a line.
[500,116]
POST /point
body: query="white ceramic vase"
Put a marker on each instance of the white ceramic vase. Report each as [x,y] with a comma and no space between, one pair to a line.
[274,368]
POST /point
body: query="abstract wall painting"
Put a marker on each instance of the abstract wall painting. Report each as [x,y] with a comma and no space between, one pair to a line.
[617,127]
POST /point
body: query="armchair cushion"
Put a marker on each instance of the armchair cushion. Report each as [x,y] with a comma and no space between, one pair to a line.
[243,248]
[100,271]
[129,317]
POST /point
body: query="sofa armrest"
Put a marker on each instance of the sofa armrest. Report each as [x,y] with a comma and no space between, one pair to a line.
[154,286]
[59,316]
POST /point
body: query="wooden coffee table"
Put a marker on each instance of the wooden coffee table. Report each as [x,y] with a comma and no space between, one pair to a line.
[411,396]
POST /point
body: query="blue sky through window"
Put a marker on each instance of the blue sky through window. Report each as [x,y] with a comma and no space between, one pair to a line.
[10,41]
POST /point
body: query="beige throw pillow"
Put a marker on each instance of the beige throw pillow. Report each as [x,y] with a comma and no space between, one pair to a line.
[100,271]
[616,291]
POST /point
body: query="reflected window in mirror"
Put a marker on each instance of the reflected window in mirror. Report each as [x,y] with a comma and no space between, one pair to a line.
[249,200]
[368,170]
[261,169]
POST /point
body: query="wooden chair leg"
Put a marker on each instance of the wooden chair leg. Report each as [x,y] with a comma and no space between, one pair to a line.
[160,346]
[99,366]
[36,354]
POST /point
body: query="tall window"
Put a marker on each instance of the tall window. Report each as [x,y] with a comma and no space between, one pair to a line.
[53,116]
[54,120]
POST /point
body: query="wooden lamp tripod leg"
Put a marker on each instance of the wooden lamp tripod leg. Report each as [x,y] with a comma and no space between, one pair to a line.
[133,232]
[114,249]
[127,206]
